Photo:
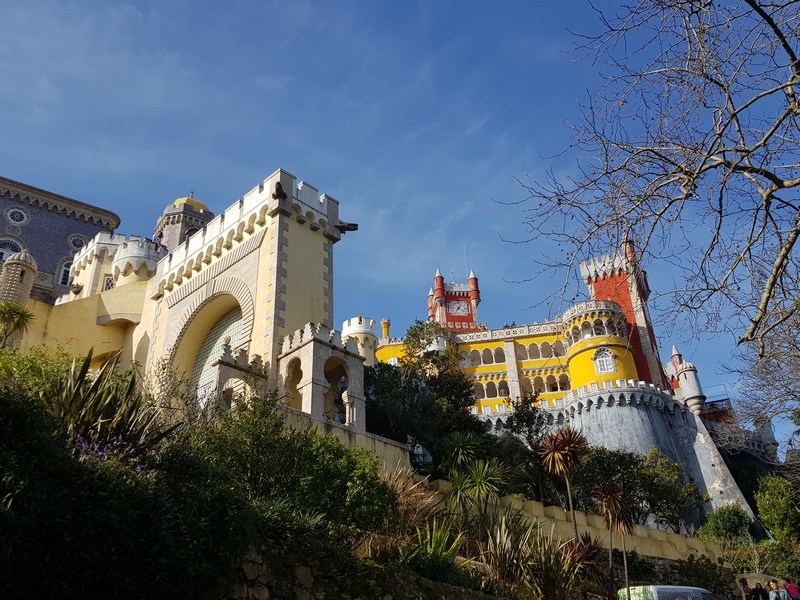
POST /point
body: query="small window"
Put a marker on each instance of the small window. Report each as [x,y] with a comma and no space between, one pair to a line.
[108,283]
[604,361]
[64,279]
[393,361]
[77,242]
[17,216]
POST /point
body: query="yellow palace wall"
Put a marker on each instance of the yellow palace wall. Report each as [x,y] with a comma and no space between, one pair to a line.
[103,323]
[575,362]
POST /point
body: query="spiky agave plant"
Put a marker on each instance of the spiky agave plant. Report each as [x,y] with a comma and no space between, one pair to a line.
[506,552]
[104,408]
[555,568]
[561,453]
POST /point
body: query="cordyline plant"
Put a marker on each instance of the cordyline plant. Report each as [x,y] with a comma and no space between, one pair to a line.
[561,453]
[104,408]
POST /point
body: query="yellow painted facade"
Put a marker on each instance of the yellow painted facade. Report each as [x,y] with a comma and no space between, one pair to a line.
[541,359]
[225,299]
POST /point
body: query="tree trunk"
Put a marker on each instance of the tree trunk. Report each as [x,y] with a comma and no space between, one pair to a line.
[571,509]
[625,568]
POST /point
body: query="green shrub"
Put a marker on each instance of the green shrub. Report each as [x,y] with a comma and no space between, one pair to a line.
[72,529]
[728,526]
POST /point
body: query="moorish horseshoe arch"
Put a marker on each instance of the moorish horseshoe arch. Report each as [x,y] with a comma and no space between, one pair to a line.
[214,289]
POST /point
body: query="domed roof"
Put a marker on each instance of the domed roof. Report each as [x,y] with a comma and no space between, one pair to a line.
[191,201]
[23,257]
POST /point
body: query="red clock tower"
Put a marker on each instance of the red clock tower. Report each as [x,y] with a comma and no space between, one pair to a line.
[454,306]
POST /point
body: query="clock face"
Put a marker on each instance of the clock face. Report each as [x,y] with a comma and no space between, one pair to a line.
[458,308]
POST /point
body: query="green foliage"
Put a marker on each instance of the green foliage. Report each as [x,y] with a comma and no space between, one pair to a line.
[341,483]
[34,373]
[105,408]
[781,559]
[315,474]
[640,570]
[527,421]
[103,529]
[434,555]
[728,526]
[424,398]
[14,318]
[777,510]
[657,485]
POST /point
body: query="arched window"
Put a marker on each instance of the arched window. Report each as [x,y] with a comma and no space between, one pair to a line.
[599,328]
[533,351]
[475,358]
[521,352]
[491,390]
[478,391]
[64,279]
[487,357]
[558,349]
[499,355]
[546,352]
[604,361]
[8,247]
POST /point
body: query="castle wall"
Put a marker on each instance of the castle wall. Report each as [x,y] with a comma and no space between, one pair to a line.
[391,454]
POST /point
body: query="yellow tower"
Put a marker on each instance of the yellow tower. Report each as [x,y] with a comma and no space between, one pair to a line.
[598,347]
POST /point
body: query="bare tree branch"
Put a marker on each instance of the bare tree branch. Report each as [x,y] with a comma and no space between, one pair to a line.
[691,148]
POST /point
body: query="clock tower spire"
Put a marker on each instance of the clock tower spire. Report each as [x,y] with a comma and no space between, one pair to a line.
[454,306]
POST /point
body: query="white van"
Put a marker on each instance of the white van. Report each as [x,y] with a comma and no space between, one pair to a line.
[666,592]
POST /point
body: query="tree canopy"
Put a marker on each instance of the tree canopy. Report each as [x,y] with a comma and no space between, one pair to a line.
[690,149]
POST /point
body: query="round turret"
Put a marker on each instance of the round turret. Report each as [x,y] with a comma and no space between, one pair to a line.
[691,391]
[364,332]
[136,260]
[19,272]
[597,344]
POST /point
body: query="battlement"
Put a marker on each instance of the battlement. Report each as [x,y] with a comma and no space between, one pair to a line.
[131,255]
[317,332]
[603,267]
[278,194]
[359,326]
[110,243]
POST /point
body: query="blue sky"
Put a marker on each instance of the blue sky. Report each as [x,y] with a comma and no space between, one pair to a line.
[416,116]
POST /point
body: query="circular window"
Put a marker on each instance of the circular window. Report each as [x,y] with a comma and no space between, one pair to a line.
[17,216]
[77,241]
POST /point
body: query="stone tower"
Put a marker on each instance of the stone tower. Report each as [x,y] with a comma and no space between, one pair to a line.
[18,275]
[180,220]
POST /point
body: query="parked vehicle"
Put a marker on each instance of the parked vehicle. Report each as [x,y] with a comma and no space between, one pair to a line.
[666,592]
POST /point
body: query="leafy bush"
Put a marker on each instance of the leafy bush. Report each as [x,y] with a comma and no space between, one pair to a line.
[315,474]
[728,526]
[89,528]
[777,507]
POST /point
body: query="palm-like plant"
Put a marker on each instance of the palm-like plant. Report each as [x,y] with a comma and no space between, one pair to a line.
[14,318]
[105,408]
[561,452]
[554,568]
[616,504]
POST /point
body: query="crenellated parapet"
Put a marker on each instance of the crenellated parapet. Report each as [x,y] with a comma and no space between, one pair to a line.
[609,264]
[317,332]
[246,220]
[134,253]
[100,246]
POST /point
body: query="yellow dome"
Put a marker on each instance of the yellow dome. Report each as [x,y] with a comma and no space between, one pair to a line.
[191,201]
